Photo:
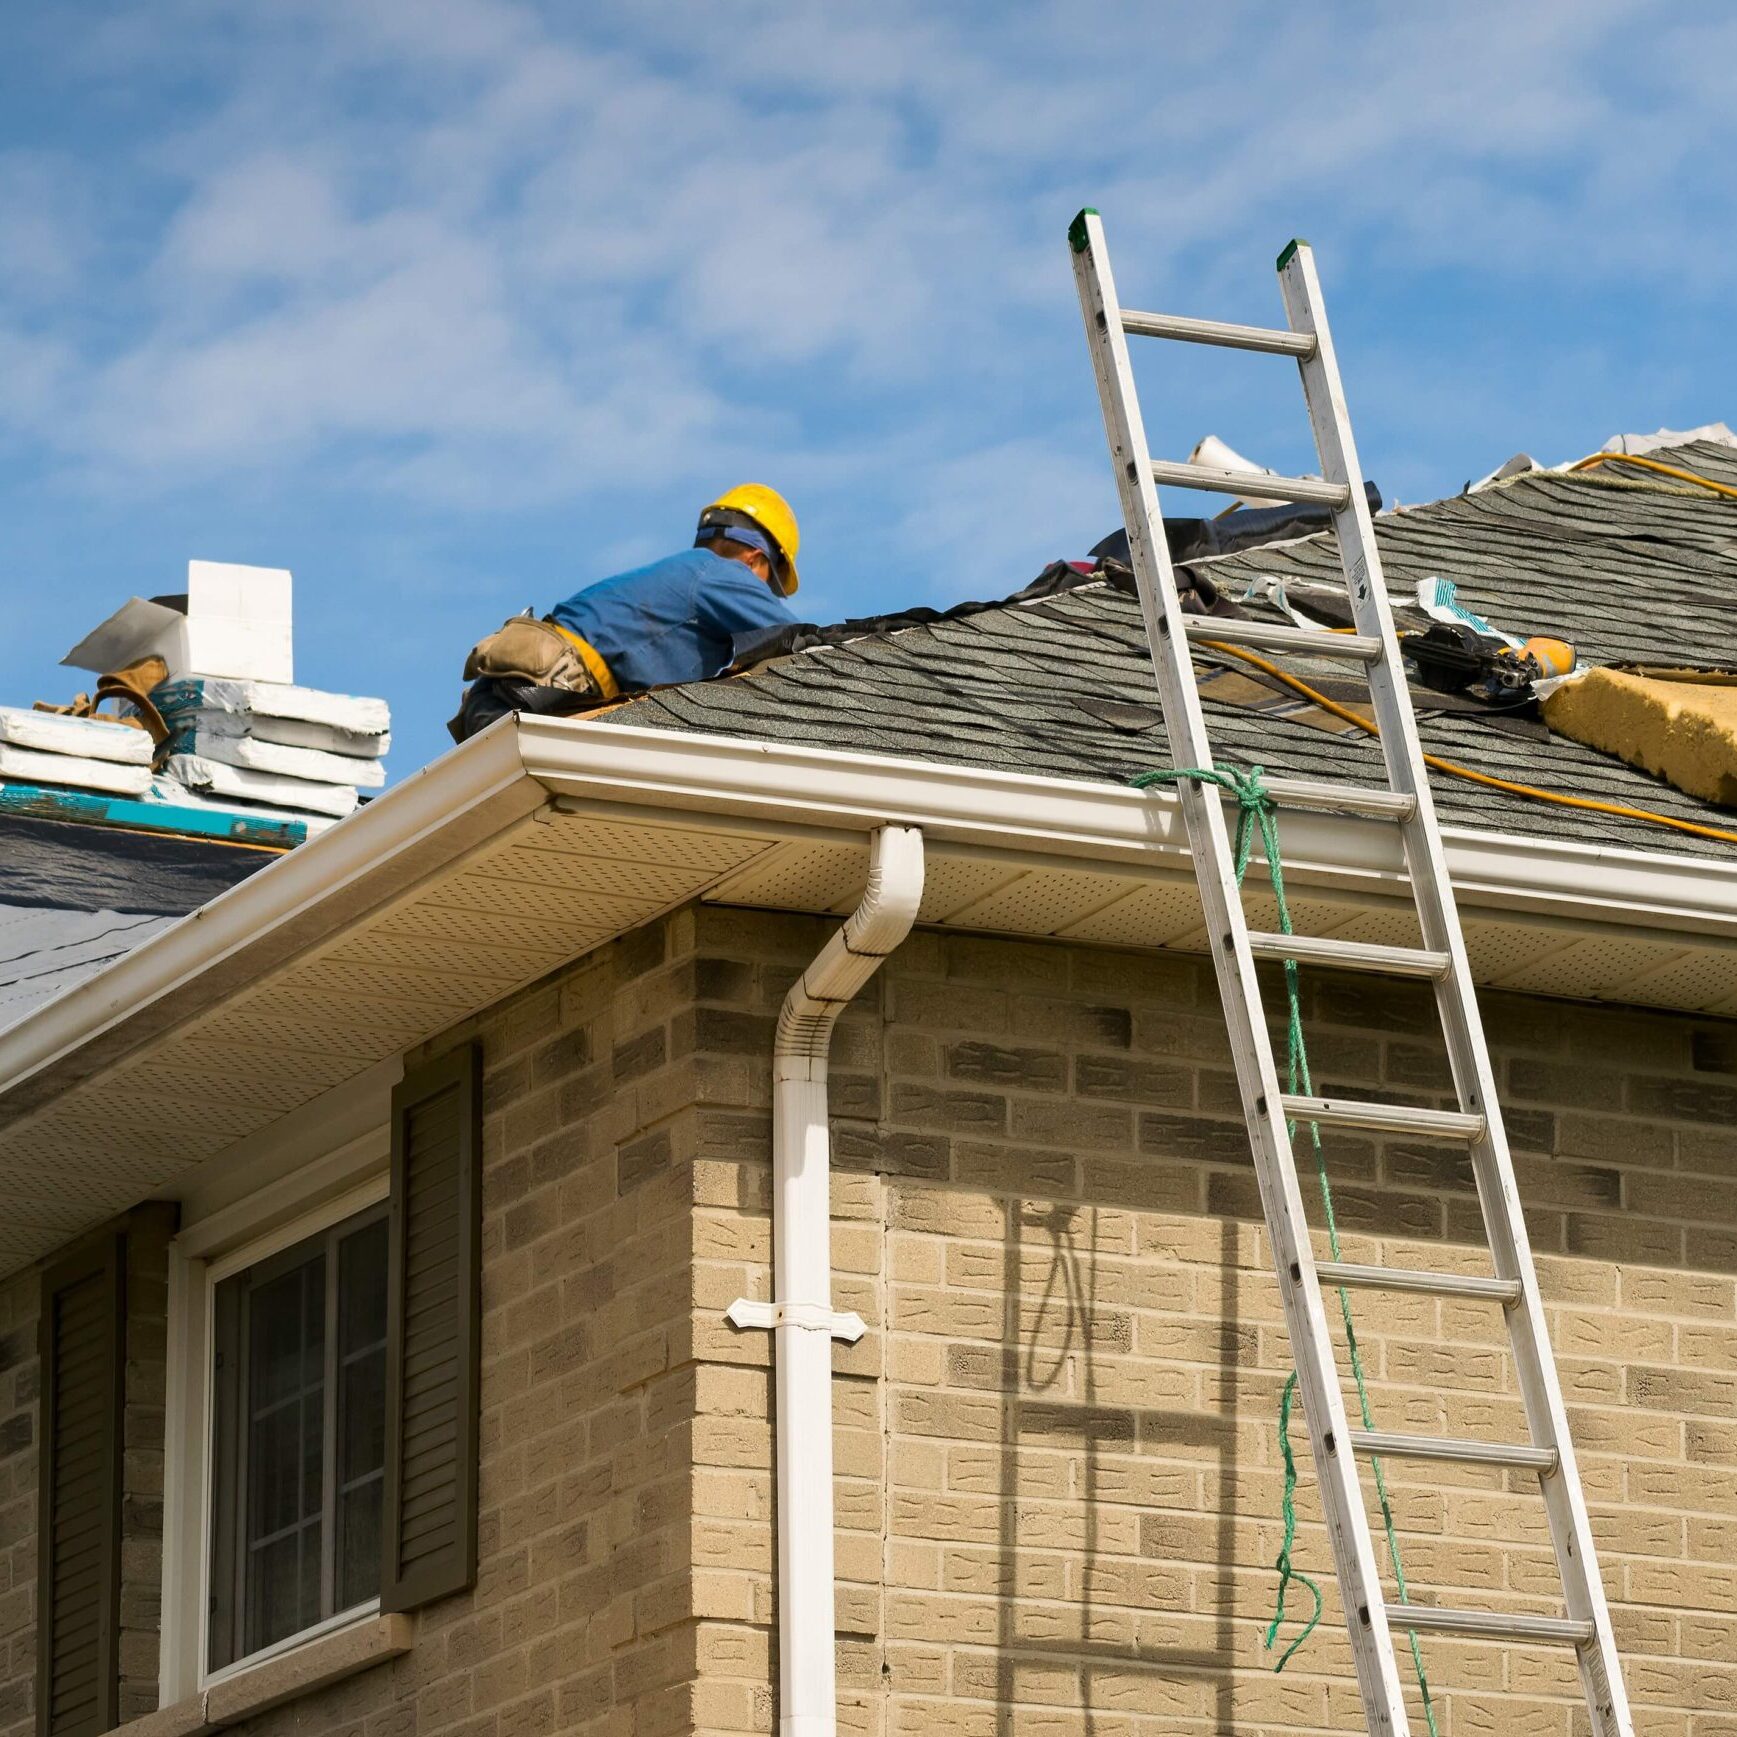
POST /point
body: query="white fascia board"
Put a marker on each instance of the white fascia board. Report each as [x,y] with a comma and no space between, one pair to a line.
[829,789]
[1695,896]
[415,829]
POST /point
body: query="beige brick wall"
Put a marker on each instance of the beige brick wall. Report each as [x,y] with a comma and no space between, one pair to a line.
[582,1617]
[1060,1485]
[578,1622]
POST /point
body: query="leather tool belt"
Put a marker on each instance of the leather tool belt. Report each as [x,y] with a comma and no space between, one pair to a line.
[544,654]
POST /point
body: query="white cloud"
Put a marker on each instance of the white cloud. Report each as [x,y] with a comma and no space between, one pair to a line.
[46,225]
[1000,514]
[485,253]
[269,218]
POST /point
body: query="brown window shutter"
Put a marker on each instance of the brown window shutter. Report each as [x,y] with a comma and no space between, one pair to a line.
[428,1533]
[79,1544]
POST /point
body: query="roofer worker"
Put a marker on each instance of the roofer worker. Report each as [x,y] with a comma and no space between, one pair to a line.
[673,621]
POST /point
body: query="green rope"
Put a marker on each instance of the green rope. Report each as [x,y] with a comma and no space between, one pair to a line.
[1255,814]
[1288,1571]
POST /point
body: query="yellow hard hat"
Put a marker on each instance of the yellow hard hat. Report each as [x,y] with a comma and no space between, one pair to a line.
[768,510]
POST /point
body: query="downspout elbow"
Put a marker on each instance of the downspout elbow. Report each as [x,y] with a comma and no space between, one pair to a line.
[838,972]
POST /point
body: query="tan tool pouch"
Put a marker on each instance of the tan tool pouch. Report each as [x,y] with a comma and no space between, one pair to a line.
[526,649]
[129,687]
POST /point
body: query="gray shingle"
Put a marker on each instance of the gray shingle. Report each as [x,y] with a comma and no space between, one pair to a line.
[45,951]
[1628,570]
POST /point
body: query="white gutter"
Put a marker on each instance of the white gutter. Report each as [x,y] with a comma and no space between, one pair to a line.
[474,792]
[1140,830]
[801,1315]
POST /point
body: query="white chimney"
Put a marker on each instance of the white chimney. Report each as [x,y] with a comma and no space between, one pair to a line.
[232,621]
[1218,454]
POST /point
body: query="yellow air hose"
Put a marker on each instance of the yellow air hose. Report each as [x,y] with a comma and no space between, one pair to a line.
[1455,770]
[1654,464]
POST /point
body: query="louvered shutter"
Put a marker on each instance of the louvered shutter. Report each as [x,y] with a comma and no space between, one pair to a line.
[428,1535]
[79,1494]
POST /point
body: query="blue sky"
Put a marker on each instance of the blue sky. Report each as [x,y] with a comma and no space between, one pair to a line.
[454,305]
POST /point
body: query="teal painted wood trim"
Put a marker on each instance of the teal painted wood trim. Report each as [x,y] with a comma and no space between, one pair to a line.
[90,808]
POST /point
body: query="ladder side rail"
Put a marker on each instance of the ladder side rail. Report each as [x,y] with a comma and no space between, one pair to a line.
[1366,1610]
[1457,1002]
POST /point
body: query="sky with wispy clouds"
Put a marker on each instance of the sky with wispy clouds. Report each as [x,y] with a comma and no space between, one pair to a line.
[454,305]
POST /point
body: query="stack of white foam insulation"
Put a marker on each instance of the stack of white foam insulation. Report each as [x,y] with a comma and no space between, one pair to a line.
[84,753]
[242,735]
[272,744]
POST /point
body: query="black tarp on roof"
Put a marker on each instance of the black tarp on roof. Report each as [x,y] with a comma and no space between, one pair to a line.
[62,865]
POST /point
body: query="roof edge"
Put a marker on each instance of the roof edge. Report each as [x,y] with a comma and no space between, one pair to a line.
[477,792]
[412,830]
[805,789]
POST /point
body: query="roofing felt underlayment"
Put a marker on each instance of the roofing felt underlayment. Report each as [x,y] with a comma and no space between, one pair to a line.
[1627,567]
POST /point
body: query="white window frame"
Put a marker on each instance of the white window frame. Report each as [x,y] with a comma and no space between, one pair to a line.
[285,1212]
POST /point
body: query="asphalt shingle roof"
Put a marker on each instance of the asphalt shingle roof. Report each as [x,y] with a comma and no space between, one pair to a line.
[73,899]
[1626,566]
[46,951]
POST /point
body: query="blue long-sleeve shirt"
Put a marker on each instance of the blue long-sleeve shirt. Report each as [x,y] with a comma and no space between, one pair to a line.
[673,621]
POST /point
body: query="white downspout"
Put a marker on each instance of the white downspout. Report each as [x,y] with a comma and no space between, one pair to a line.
[801,1315]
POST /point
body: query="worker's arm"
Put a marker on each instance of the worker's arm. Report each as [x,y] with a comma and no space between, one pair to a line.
[732,601]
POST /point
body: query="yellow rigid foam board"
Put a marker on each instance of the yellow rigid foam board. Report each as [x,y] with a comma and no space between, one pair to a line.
[1680,725]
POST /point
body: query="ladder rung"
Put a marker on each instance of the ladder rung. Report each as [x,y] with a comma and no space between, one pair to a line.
[1274,343]
[1351,955]
[1268,636]
[1442,1447]
[1254,484]
[1476,1290]
[1489,1624]
[1383,1118]
[1342,799]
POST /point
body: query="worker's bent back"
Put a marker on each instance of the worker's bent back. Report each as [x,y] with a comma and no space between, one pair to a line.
[675,620]
[672,621]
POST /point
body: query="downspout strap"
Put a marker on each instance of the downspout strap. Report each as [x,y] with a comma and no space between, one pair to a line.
[805,1317]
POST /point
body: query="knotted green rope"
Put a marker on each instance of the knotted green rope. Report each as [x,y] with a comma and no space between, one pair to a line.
[1255,814]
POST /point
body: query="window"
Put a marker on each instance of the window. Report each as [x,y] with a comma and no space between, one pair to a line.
[298,1437]
[322,1403]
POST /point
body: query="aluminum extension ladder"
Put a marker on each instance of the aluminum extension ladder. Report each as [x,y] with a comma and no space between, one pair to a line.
[1371,1618]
